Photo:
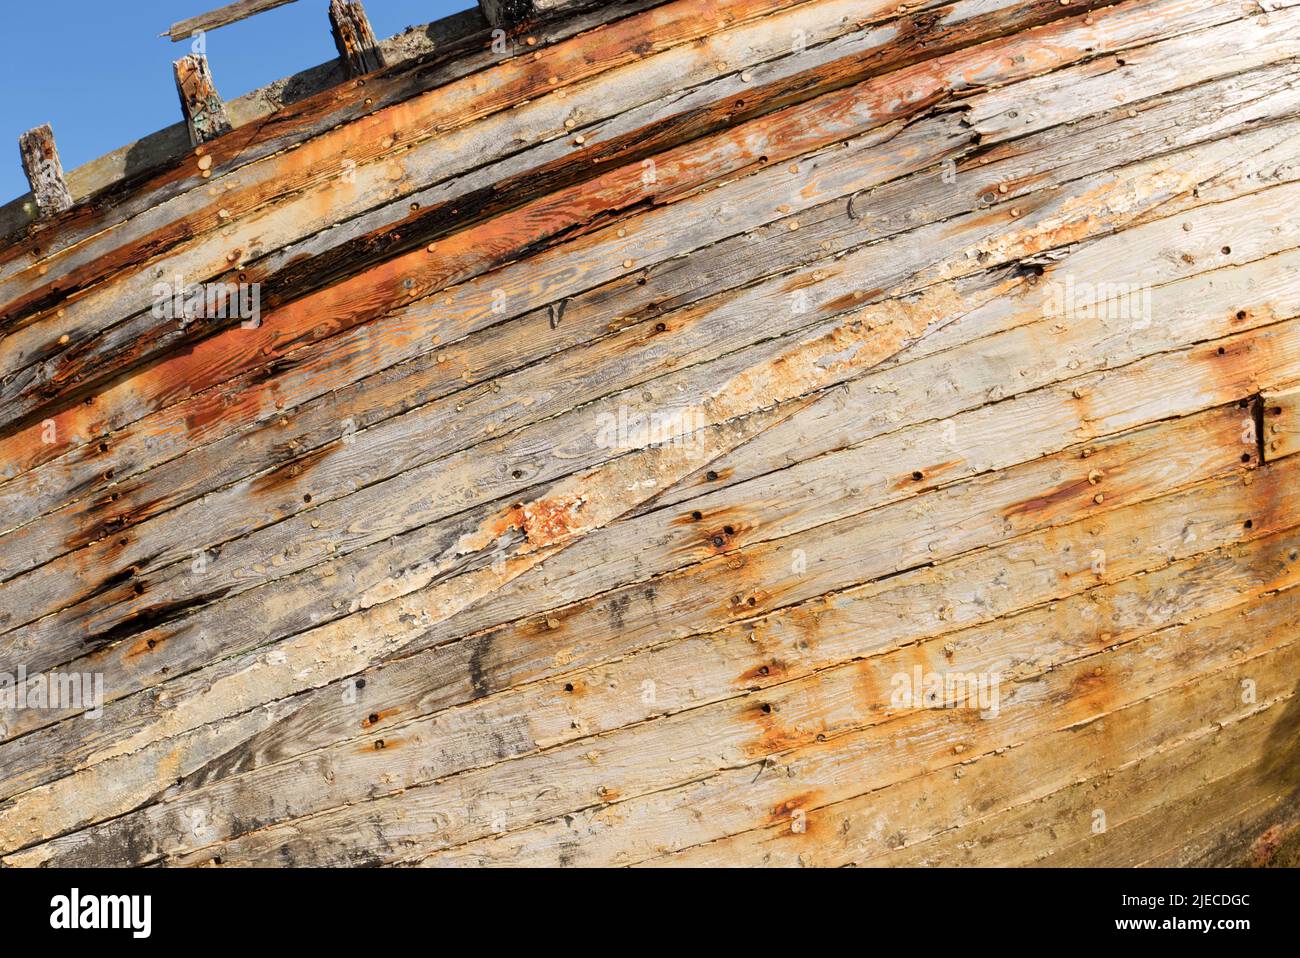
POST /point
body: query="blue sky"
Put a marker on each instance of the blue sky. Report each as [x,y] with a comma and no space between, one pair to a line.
[101,74]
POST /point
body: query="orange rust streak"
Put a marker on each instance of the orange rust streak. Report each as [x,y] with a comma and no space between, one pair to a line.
[365,297]
[316,162]
[786,133]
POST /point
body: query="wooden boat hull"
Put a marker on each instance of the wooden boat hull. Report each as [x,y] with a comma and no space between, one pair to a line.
[744,432]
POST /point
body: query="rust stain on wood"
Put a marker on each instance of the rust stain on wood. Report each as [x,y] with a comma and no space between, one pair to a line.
[637,409]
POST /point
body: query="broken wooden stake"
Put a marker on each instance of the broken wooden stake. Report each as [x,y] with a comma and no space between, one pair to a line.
[231,13]
[44,171]
[354,37]
[205,114]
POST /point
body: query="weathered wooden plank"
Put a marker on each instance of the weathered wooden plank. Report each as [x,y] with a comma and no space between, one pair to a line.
[1255,828]
[166,656]
[538,716]
[632,174]
[467,572]
[306,104]
[1281,422]
[412,119]
[268,333]
[1153,807]
[595,311]
[918,814]
[427,376]
[1164,466]
[989,439]
[1222,378]
[1218,382]
[47,447]
[1046,566]
[1122,80]
[205,113]
[222,16]
[97,462]
[809,821]
[741,734]
[354,38]
[1001,22]
[133,340]
[44,171]
[1199,791]
[834,426]
[199,747]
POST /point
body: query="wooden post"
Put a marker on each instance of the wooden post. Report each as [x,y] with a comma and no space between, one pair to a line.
[204,112]
[44,171]
[354,37]
[505,14]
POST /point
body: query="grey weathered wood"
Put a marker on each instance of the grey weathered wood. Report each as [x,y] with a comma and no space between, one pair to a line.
[707,666]
[403,825]
[787,495]
[157,148]
[354,37]
[231,13]
[728,262]
[505,14]
[882,257]
[91,306]
[717,732]
[839,514]
[341,230]
[1024,780]
[205,113]
[872,261]
[432,160]
[44,171]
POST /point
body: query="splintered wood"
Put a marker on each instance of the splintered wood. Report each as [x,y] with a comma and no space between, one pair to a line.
[205,114]
[354,37]
[44,170]
[650,440]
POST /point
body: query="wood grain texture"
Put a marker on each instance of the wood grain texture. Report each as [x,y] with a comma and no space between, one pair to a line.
[222,16]
[205,113]
[44,171]
[746,432]
[1281,420]
[354,37]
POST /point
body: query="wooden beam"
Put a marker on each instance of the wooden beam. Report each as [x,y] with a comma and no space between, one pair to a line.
[231,13]
[205,114]
[1281,423]
[44,171]
[354,38]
